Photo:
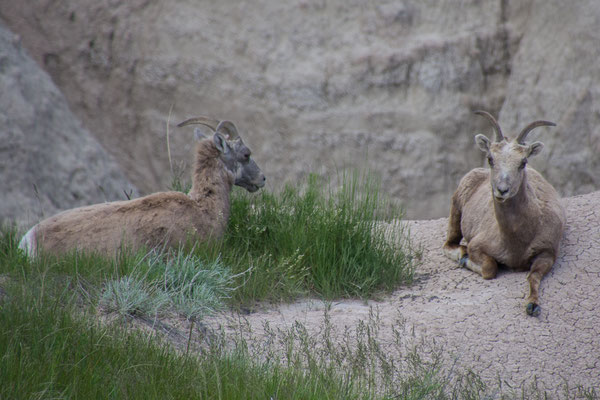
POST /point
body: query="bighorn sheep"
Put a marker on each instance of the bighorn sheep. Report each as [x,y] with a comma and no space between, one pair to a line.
[518,224]
[166,219]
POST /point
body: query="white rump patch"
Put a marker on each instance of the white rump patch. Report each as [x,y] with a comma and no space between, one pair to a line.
[28,243]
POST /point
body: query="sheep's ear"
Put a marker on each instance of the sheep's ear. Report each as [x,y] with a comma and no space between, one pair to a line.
[483,143]
[535,148]
[228,128]
[221,143]
[198,134]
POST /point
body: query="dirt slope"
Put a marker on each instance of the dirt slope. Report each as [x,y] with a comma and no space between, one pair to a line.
[483,323]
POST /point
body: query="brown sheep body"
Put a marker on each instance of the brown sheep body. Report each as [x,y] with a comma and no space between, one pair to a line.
[518,223]
[159,220]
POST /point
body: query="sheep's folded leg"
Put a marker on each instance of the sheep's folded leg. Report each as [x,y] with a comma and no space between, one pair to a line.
[455,252]
[478,261]
[459,253]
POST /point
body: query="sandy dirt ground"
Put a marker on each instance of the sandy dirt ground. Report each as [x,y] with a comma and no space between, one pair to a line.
[482,325]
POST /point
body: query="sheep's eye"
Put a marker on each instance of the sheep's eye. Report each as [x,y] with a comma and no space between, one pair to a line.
[523,163]
[490,161]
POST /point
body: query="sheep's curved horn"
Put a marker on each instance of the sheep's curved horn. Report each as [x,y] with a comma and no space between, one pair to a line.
[229,128]
[499,136]
[531,127]
[210,122]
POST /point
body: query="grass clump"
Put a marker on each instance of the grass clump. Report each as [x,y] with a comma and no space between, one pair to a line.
[51,350]
[314,239]
[133,296]
[196,288]
[171,281]
[10,255]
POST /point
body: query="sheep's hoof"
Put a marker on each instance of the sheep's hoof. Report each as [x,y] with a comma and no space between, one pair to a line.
[463,261]
[533,309]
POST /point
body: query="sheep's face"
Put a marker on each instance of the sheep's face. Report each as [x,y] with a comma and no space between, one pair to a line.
[237,158]
[507,161]
[234,154]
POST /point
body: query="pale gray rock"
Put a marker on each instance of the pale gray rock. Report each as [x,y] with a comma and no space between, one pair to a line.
[48,161]
[556,76]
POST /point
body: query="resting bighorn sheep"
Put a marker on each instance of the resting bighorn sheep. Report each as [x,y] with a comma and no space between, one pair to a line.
[164,219]
[517,224]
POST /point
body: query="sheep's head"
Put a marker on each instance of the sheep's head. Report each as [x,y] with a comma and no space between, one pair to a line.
[236,156]
[508,159]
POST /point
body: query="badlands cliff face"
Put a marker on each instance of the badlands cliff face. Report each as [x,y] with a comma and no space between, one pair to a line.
[48,160]
[321,86]
[325,85]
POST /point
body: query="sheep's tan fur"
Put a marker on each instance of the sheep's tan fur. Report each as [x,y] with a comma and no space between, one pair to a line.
[519,230]
[164,219]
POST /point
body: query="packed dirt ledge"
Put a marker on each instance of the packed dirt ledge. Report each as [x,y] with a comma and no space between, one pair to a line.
[482,325]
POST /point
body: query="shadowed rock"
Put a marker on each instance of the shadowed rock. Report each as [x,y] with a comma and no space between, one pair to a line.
[48,160]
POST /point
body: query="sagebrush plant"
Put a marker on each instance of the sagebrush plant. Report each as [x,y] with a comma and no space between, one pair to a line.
[195,287]
[314,238]
[164,281]
[132,295]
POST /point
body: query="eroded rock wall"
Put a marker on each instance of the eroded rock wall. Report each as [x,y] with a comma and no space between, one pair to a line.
[320,86]
[556,75]
[48,161]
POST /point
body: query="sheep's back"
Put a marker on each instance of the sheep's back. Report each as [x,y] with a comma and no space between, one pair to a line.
[166,218]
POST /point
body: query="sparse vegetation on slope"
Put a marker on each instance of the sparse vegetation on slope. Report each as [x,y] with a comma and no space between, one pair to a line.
[57,344]
[54,344]
[278,246]
[313,239]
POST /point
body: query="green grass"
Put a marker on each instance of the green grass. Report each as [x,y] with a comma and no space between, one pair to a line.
[312,239]
[55,344]
[277,246]
[141,284]
[51,350]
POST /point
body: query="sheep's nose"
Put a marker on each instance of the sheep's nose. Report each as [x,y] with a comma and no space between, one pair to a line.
[502,191]
[261,181]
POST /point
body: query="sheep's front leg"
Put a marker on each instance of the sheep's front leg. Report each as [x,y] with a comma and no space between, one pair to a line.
[541,266]
[452,248]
